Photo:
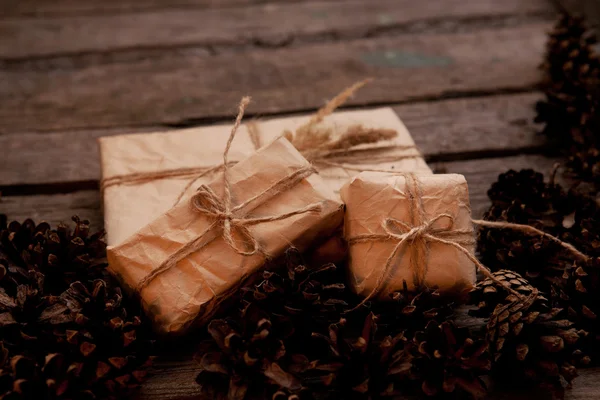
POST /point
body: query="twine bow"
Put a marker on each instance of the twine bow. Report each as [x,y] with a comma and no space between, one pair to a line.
[418,234]
[229,219]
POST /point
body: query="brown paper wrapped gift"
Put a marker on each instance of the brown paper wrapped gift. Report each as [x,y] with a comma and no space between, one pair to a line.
[191,291]
[408,228]
[130,205]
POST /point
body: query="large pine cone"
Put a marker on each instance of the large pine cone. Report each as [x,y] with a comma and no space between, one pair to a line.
[571,109]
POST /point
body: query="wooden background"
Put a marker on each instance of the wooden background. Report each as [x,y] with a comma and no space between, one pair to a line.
[462,74]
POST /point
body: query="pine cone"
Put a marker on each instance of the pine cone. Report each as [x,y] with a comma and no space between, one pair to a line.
[571,109]
[63,318]
[528,338]
[406,345]
[411,311]
[576,291]
[248,362]
[264,347]
[439,358]
[62,255]
[523,198]
[487,295]
[447,359]
[572,216]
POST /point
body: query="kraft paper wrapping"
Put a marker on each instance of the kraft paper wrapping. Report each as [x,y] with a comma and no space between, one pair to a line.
[372,197]
[127,208]
[191,292]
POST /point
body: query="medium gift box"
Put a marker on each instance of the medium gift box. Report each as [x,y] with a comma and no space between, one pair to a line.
[190,259]
[408,230]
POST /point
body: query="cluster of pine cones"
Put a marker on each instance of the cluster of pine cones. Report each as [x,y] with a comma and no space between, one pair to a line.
[66,330]
[291,337]
[571,110]
[560,287]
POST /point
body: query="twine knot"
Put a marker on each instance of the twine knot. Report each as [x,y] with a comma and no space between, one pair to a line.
[206,202]
[232,221]
[409,233]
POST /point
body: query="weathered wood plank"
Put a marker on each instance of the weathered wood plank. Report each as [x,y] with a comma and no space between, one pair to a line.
[44,8]
[182,86]
[442,130]
[260,24]
[55,208]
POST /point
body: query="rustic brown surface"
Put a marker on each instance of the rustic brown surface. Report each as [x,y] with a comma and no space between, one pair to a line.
[174,86]
[41,8]
[72,71]
[260,24]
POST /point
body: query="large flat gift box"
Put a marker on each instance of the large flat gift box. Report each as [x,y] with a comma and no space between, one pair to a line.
[193,264]
[129,206]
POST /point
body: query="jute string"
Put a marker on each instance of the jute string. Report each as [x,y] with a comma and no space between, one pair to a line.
[528,229]
[421,231]
[230,219]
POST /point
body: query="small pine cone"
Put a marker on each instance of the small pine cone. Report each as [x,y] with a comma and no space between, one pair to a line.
[575,291]
[523,198]
[443,358]
[297,293]
[251,346]
[529,339]
[63,255]
[247,361]
[487,294]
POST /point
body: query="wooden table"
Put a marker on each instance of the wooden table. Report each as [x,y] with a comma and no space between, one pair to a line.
[462,74]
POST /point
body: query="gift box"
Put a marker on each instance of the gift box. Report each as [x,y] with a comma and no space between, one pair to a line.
[408,229]
[183,265]
[143,174]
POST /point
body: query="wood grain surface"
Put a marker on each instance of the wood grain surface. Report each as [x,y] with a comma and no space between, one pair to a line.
[179,86]
[45,9]
[260,25]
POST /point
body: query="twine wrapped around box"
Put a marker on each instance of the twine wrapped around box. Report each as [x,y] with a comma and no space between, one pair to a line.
[190,259]
[402,227]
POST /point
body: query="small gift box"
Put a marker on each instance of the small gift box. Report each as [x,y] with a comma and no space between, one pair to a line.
[143,174]
[408,228]
[187,261]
